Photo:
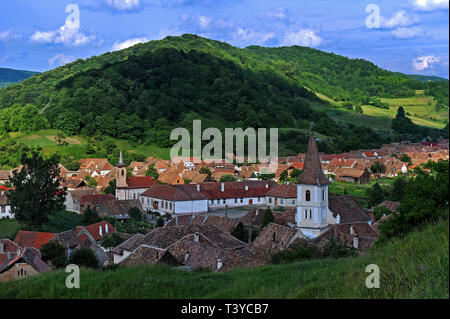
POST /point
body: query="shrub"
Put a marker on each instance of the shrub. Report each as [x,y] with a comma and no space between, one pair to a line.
[84,257]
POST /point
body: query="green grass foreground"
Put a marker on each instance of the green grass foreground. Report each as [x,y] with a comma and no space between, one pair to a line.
[416,266]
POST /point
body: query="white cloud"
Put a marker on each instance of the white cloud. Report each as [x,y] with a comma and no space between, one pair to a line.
[204,22]
[128,43]
[430,5]
[123,5]
[407,33]
[398,19]
[66,35]
[249,36]
[9,35]
[304,37]
[424,62]
[60,60]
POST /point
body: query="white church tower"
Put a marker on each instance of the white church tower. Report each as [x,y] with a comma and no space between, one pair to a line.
[312,194]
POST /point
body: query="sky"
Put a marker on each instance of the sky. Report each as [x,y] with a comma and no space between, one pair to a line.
[408,36]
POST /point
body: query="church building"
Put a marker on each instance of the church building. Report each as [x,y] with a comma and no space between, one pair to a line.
[313,215]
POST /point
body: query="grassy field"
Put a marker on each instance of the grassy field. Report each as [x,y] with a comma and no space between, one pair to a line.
[358,190]
[9,228]
[416,266]
[420,109]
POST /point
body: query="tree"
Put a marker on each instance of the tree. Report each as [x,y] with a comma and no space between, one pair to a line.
[295,173]
[267,218]
[84,257]
[398,188]
[90,216]
[425,201]
[376,195]
[111,188]
[227,178]
[112,240]
[151,171]
[283,176]
[240,233]
[160,222]
[90,181]
[205,170]
[378,167]
[55,253]
[37,191]
[135,214]
[406,159]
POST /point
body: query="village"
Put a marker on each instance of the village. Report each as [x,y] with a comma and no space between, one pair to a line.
[196,209]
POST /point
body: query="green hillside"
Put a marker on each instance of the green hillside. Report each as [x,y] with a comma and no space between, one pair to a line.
[416,266]
[10,76]
[141,93]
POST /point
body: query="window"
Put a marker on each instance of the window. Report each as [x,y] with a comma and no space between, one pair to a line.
[242,200]
[308,196]
[310,214]
[293,201]
[270,200]
[306,214]
[224,201]
[323,194]
[235,200]
[170,206]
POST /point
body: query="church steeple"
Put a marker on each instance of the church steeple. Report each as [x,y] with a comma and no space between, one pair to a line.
[121,163]
[312,173]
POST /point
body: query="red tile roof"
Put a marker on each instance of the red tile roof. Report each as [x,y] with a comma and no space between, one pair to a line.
[141,181]
[94,230]
[32,239]
[283,191]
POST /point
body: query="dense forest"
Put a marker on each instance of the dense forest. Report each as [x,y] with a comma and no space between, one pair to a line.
[142,92]
[10,76]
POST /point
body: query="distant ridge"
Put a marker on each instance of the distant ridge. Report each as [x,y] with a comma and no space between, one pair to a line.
[11,76]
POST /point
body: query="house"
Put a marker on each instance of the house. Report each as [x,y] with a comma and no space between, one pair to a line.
[99,165]
[145,254]
[5,208]
[8,251]
[235,194]
[274,238]
[94,201]
[360,236]
[174,200]
[32,239]
[27,263]
[73,183]
[167,237]
[68,240]
[284,195]
[95,232]
[346,210]
[118,208]
[73,197]
[353,175]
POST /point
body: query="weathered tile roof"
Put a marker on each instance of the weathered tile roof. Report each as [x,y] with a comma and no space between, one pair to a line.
[174,192]
[146,254]
[96,199]
[276,237]
[312,173]
[283,191]
[347,208]
[236,189]
[94,229]
[67,238]
[392,206]
[119,207]
[141,181]
[32,239]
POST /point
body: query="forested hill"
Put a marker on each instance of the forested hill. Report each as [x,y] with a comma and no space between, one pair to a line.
[142,92]
[10,76]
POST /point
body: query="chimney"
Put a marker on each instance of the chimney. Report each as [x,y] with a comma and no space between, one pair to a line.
[198,187]
[219,264]
[246,187]
[196,238]
[100,231]
[106,228]
[222,187]
[267,185]
[186,256]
